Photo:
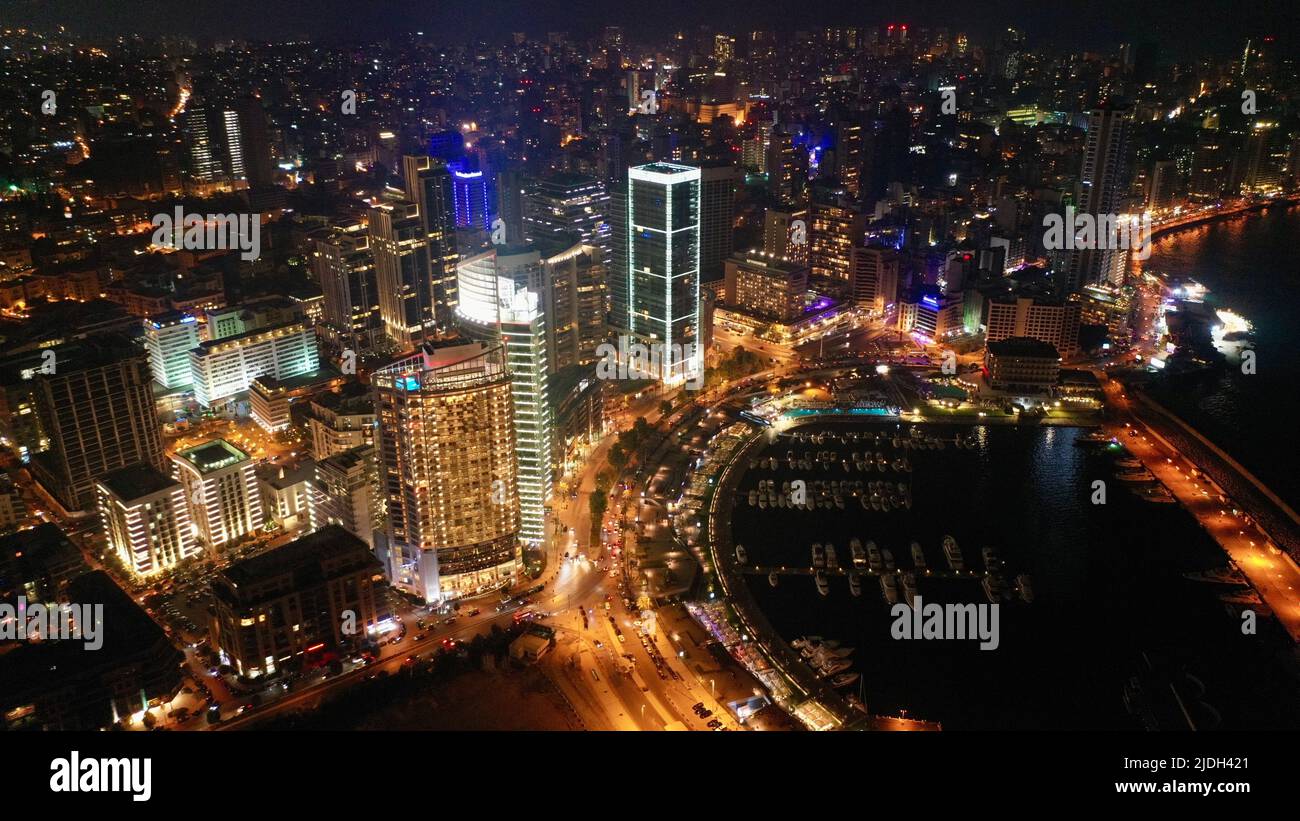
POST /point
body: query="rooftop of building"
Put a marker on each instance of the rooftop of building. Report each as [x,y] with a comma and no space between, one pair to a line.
[289,384]
[136,481]
[127,632]
[280,477]
[348,459]
[301,556]
[213,455]
[168,318]
[43,546]
[769,261]
[206,347]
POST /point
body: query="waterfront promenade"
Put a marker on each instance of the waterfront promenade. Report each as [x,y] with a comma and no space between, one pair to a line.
[1249,525]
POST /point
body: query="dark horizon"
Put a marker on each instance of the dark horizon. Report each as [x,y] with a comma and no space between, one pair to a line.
[1181,29]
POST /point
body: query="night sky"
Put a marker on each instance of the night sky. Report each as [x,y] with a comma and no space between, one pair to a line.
[1181,27]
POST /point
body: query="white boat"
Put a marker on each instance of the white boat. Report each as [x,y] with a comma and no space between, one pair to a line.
[753,498]
[991,559]
[992,589]
[855,583]
[909,588]
[818,555]
[918,556]
[832,667]
[889,586]
[888,558]
[823,584]
[1024,585]
[832,561]
[1136,477]
[844,679]
[859,555]
[873,557]
[772,578]
[953,553]
[741,556]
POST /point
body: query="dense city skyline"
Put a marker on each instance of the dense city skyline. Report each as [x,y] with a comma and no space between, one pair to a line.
[1186,28]
[549,367]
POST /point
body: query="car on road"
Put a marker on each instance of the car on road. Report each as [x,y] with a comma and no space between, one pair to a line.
[419,637]
[474,612]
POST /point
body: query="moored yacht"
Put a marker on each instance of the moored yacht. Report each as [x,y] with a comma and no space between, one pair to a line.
[953,553]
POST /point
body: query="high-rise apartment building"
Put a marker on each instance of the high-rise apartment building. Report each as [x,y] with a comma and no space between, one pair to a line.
[502,305]
[1047,320]
[835,226]
[346,492]
[785,233]
[400,244]
[561,204]
[344,266]
[1103,181]
[448,470]
[97,412]
[655,282]
[873,277]
[429,185]
[719,182]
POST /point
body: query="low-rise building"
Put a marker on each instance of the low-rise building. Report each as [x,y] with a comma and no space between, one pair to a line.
[62,685]
[301,604]
[146,519]
[221,488]
[765,286]
[1019,365]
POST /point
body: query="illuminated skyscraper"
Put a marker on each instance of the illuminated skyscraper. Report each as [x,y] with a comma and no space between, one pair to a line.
[655,285]
[429,185]
[345,268]
[472,197]
[565,203]
[1103,189]
[97,412]
[718,184]
[400,244]
[448,470]
[502,305]
[169,338]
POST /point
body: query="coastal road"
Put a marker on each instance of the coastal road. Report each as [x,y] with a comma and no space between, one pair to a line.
[1269,570]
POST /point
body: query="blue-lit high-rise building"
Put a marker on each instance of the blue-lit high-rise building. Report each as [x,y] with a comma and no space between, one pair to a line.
[473,196]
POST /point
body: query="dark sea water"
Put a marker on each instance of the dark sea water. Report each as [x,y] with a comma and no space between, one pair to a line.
[1252,267]
[1107,579]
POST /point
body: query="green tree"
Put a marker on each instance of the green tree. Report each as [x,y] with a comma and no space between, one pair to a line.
[617,457]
